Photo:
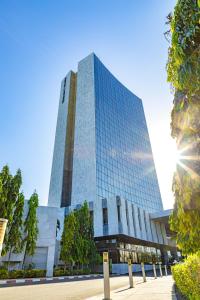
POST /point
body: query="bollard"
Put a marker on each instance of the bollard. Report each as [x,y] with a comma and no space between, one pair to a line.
[160,266]
[106,276]
[166,270]
[154,271]
[130,272]
[3,224]
[143,272]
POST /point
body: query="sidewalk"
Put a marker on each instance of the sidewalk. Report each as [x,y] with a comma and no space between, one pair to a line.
[153,289]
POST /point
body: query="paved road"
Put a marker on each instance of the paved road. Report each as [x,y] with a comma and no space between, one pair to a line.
[160,289]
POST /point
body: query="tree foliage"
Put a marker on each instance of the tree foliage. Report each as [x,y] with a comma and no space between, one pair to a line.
[15,237]
[68,240]
[183,69]
[77,243]
[31,226]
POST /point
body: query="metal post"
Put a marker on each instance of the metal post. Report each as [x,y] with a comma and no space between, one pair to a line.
[154,271]
[106,276]
[130,272]
[160,266]
[166,270]
[3,224]
[143,272]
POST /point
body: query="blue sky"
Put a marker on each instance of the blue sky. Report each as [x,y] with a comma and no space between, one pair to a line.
[40,41]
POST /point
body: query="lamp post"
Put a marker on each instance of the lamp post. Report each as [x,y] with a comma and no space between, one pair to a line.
[3,224]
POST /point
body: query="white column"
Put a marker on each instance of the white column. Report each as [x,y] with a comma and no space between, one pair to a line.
[153,227]
[50,260]
[163,230]
[129,204]
[123,217]
[160,239]
[98,218]
[144,235]
[138,232]
[112,216]
[149,237]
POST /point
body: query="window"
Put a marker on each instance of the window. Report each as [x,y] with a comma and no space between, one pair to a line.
[127,216]
[139,218]
[118,213]
[134,225]
[91,216]
[145,223]
[64,86]
[105,216]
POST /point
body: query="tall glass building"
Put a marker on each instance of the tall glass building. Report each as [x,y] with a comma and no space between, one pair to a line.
[102,154]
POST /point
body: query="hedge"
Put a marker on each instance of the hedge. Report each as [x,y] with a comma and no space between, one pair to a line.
[3,274]
[187,276]
[62,272]
[14,274]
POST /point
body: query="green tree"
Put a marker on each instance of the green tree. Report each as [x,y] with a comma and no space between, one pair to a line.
[68,240]
[9,201]
[15,238]
[82,234]
[183,69]
[31,226]
[77,243]
[85,248]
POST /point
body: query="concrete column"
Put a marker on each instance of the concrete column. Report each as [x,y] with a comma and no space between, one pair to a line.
[129,204]
[112,216]
[144,235]
[123,217]
[138,232]
[163,230]
[153,227]
[50,260]
[98,218]
[158,228]
[149,237]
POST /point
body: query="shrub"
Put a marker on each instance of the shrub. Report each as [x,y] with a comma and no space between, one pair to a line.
[34,273]
[3,274]
[16,274]
[187,276]
[62,272]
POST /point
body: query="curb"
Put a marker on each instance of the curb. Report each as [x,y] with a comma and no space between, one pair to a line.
[11,282]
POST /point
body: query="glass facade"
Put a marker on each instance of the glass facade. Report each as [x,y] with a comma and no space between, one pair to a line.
[120,252]
[124,160]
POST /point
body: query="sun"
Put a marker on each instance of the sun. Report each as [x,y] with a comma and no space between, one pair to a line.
[177,156]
